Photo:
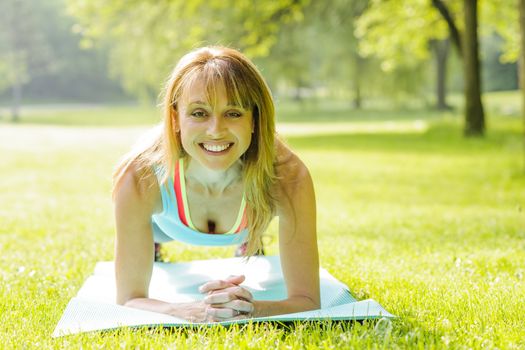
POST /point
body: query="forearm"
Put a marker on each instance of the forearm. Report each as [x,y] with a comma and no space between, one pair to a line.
[180,310]
[263,308]
[195,312]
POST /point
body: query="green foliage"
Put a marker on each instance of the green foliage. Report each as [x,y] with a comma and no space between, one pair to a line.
[42,54]
[501,16]
[420,219]
[24,53]
[399,32]
[318,57]
[146,39]
[497,75]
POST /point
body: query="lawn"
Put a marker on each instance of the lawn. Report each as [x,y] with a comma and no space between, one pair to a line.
[429,224]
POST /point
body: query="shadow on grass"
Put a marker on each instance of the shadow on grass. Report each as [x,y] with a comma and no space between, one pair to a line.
[329,114]
[439,138]
[338,333]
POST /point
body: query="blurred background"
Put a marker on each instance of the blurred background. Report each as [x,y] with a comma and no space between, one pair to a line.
[408,114]
[351,55]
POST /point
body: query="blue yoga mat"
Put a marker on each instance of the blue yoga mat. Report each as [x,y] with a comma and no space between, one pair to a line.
[94,308]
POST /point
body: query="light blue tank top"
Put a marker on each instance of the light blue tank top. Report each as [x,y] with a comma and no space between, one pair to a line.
[167,225]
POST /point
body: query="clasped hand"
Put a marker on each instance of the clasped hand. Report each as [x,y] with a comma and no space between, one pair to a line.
[227,300]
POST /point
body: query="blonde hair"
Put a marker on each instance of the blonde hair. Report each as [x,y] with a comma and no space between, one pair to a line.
[244,85]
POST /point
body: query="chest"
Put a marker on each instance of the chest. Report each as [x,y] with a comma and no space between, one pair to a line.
[214,213]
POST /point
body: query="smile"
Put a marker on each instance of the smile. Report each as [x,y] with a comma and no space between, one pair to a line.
[215,148]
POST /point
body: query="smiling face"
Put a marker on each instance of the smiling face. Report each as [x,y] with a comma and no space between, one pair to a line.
[214,131]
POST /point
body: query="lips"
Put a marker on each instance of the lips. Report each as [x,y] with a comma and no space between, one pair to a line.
[215,148]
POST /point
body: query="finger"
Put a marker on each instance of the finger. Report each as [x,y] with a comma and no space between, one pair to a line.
[221,284]
[235,318]
[237,292]
[227,295]
[237,305]
[236,279]
[219,298]
[215,285]
[240,317]
[221,313]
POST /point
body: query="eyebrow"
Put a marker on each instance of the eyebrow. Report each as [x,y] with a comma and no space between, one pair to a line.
[198,102]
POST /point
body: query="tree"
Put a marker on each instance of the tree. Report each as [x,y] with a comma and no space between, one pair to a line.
[441,50]
[23,51]
[403,35]
[502,17]
[303,56]
[415,24]
[521,5]
[342,17]
[474,115]
[145,39]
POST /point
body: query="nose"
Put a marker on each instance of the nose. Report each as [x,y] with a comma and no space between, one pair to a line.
[216,126]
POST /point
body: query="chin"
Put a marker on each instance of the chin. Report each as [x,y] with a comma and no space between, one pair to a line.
[219,164]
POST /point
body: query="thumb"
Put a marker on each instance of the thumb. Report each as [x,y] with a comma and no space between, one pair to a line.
[236,279]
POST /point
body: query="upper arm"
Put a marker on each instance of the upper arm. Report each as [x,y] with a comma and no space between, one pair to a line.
[134,204]
[297,230]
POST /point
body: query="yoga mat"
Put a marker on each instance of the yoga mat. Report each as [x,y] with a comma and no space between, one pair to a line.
[94,307]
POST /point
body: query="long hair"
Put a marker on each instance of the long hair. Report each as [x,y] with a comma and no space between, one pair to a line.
[217,67]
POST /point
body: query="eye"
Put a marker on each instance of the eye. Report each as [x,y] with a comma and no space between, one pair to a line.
[199,113]
[234,114]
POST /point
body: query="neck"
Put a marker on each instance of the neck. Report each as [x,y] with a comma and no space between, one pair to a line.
[214,182]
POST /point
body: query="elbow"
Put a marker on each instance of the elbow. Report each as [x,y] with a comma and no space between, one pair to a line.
[128,301]
[122,301]
[310,302]
[315,301]
[316,304]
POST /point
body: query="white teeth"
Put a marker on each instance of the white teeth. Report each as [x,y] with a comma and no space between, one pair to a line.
[215,148]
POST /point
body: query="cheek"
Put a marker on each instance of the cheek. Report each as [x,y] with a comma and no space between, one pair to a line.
[247,135]
[245,130]
[187,129]
[250,125]
[183,135]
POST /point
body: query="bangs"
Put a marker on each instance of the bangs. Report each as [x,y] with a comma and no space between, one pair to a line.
[216,74]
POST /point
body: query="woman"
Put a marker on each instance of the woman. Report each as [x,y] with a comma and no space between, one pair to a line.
[215,174]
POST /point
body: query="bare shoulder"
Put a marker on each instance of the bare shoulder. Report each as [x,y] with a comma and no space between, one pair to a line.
[291,170]
[293,177]
[140,187]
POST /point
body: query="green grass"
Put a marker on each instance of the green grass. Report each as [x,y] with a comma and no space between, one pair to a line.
[84,115]
[426,222]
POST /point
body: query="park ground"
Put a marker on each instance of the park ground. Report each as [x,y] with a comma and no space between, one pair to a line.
[410,213]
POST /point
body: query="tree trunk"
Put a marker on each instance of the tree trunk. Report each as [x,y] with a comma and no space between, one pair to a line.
[474,116]
[521,5]
[453,30]
[298,96]
[441,49]
[357,101]
[16,89]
